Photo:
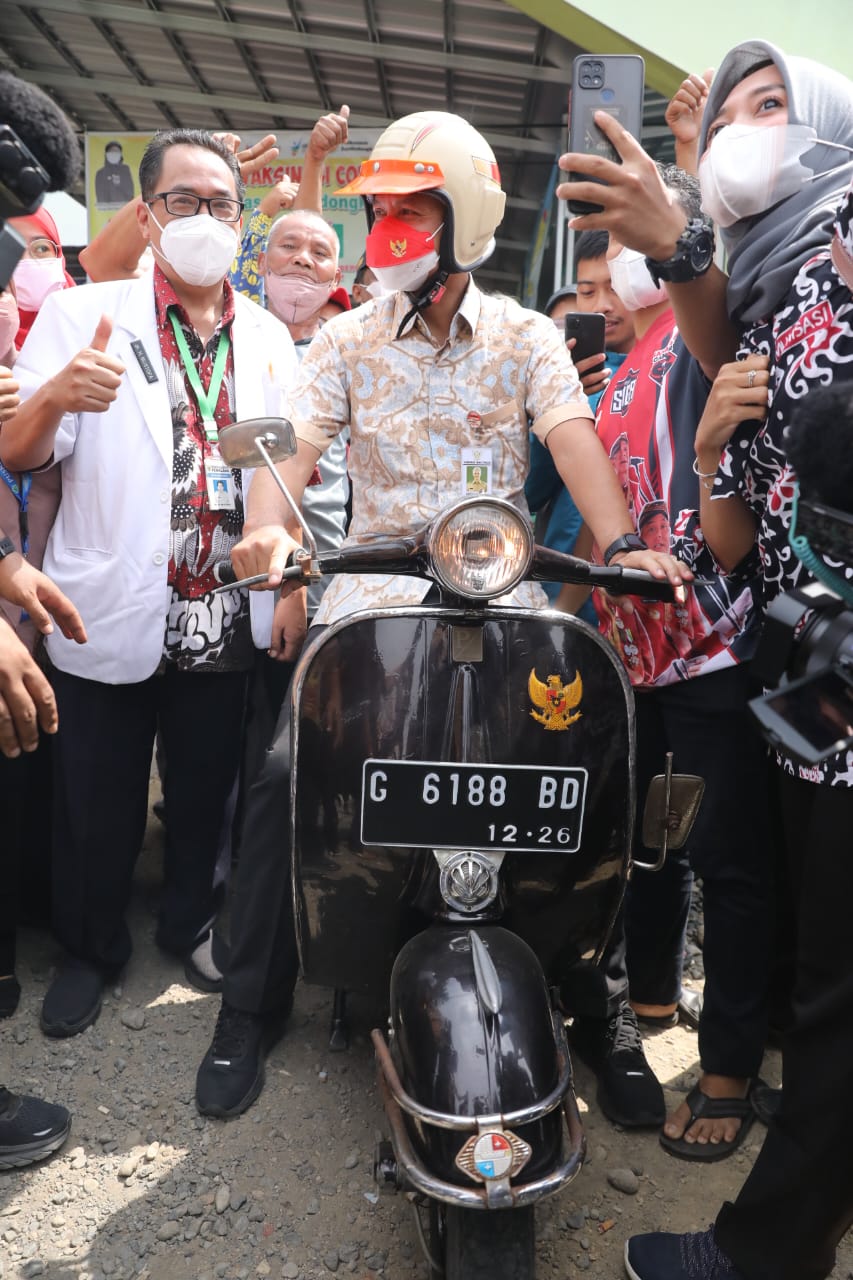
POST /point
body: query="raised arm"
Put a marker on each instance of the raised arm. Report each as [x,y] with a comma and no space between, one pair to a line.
[115,252]
[684,117]
[641,213]
[329,133]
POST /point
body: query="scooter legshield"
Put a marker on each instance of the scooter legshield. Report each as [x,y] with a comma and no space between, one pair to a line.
[464,1050]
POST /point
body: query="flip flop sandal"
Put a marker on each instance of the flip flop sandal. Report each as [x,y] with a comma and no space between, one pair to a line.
[704,1108]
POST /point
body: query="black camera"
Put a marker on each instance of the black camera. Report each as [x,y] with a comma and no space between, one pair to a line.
[806,650]
[591,74]
[23,182]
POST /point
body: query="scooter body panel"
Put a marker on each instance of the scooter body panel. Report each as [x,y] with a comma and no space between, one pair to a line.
[439,684]
[462,1052]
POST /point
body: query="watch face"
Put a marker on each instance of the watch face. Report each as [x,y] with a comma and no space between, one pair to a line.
[702,251]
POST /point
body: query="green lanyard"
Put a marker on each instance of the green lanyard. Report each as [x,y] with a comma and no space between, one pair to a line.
[206,399]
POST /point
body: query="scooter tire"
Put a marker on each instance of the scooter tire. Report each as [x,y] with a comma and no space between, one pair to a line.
[490,1244]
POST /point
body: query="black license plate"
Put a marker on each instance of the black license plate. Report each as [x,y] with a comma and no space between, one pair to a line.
[425,803]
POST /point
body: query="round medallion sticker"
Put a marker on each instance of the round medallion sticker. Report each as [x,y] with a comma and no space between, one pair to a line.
[492,1155]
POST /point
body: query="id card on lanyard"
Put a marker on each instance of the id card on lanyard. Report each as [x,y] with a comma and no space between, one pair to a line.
[219,478]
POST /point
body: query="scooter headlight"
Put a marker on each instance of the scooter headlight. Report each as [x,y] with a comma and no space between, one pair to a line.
[481,548]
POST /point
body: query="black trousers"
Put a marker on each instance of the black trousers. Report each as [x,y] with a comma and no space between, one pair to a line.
[25,805]
[103,762]
[264,962]
[705,723]
[797,1202]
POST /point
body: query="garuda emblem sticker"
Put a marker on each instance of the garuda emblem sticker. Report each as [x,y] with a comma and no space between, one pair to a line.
[558,702]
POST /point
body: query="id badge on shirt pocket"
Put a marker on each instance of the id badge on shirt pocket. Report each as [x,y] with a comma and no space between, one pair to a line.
[220,485]
[477,467]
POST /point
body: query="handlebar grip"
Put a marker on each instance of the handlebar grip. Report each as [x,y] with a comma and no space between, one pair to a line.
[224,573]
[641,583]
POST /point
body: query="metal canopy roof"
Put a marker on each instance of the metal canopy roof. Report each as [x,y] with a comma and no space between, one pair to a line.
[129,65]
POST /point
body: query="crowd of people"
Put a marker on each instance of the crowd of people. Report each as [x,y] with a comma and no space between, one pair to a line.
[725,285]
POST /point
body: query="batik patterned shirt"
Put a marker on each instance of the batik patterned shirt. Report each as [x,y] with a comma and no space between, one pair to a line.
[204,631]
[415,406]
[810,344]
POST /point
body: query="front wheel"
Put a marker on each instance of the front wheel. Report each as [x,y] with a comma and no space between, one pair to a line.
[484,1244]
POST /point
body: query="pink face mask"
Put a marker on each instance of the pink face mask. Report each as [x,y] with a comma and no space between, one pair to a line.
[10,322]
[34,280]
[295,299]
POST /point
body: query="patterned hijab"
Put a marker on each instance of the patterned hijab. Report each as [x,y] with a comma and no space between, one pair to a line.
[766,252]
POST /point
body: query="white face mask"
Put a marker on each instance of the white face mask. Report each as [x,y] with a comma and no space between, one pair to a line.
[113,157]
[295,299]
[406,277]
[376,290]
[747,169]
[201,249]
[632,281]
[35,279]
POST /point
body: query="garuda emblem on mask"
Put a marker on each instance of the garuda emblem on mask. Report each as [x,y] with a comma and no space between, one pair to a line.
[556,700]
[398,247]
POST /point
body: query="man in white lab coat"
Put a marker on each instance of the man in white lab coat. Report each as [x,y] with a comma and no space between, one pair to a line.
[125,387]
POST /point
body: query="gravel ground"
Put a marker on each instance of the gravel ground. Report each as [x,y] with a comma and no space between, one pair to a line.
[147,1188]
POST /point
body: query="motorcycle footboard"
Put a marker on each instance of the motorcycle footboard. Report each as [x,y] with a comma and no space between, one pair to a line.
[495,1192]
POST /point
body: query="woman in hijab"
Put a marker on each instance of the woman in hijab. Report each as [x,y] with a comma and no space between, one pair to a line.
[777,163]
[40,271]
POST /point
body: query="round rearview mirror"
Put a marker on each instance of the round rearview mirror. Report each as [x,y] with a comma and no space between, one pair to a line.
[238,443]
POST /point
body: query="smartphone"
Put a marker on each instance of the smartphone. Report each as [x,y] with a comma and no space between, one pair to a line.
[810,718]
[612,82]
[587,327]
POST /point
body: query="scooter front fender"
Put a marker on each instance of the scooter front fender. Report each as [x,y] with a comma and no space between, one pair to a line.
[473,1036]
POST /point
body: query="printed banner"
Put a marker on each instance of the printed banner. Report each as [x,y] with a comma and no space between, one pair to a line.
[112,168]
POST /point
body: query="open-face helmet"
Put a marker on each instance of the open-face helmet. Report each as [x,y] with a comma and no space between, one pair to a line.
[443,155]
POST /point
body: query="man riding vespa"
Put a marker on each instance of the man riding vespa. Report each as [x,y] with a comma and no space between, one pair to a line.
[433,379]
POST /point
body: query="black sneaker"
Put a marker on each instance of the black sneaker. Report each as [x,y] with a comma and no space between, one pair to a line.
[231,1074]
[73,1000]
[661,1256]
[30,1129]
[629,1092]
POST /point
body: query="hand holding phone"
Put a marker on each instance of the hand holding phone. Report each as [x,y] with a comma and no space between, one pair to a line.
[587,329]
[605,82]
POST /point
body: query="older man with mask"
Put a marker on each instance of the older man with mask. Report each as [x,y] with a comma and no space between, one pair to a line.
[298,274]
[125,386]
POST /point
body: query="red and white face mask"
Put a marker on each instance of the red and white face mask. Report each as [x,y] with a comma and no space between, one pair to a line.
[399,255]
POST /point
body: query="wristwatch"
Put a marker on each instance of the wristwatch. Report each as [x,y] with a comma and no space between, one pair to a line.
[7,548]
[628,542]
[694,253]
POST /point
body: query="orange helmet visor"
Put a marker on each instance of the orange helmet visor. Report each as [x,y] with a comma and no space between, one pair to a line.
[394,178]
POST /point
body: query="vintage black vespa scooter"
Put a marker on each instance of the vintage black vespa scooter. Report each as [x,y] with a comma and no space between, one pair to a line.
[462,806]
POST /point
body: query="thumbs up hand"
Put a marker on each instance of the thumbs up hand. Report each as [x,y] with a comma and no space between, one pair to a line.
[90,382]
[329,133]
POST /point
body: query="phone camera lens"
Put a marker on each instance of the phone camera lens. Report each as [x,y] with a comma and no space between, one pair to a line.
[597,82]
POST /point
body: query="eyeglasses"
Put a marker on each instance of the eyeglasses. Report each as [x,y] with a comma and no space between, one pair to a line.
[41,247]
[183,204]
